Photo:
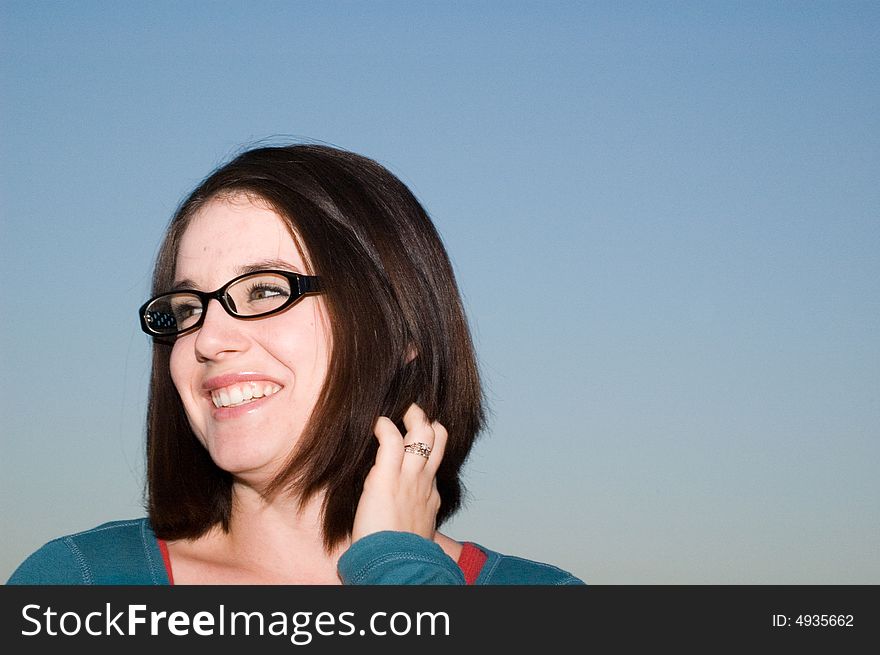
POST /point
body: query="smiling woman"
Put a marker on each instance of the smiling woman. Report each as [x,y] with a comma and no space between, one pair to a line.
[226,358]
[314,393]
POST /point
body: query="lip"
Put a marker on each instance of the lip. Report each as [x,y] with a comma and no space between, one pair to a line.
[226,379]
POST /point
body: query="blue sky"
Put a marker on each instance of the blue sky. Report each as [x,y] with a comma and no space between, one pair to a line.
[664,219]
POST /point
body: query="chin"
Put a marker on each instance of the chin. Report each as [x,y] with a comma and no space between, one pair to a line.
[247,464]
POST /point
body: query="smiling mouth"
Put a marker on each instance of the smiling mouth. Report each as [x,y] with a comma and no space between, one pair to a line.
[241,394]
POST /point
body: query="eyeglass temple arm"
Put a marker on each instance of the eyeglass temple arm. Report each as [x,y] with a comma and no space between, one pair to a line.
[308,284]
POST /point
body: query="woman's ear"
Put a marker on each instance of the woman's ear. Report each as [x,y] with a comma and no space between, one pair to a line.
[411,354]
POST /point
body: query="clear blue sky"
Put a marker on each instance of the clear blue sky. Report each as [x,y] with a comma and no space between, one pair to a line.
[664,217]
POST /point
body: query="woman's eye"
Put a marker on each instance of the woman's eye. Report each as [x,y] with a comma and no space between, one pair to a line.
[264,292]
[187,310]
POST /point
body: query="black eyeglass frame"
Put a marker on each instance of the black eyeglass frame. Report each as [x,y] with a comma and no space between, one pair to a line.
[300,286]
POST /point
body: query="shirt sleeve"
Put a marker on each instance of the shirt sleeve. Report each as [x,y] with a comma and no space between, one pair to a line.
[397,558]
[53,564]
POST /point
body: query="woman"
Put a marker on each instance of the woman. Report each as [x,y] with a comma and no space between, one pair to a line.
[314,392]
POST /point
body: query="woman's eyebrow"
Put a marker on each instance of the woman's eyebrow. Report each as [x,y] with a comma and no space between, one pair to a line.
[183,285]
[262,265]
[265,264]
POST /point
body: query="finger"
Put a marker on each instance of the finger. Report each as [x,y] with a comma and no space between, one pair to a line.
[390,454]
[417,452]
[415,420]
[419,437]
[441,437]
[435,499]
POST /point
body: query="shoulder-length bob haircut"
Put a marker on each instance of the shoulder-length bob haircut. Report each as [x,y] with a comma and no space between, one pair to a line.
[398,329]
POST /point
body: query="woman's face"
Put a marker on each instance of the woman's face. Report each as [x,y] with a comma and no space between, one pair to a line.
[279,361]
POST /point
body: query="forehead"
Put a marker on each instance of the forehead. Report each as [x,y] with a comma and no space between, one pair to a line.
[227,234]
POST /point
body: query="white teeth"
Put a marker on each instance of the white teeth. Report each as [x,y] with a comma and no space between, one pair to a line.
[239,394]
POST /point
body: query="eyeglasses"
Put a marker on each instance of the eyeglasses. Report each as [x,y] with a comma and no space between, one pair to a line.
[252,295]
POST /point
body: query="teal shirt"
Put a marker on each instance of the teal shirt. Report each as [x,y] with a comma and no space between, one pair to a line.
[127,553]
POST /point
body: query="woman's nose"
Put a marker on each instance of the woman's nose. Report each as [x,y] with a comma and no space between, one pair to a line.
[220,333]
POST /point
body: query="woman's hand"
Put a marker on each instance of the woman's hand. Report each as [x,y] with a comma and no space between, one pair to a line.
[400,491]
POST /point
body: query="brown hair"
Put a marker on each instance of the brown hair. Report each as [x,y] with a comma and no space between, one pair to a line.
[389,290]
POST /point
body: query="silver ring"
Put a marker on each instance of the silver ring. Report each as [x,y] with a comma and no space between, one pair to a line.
[418,448]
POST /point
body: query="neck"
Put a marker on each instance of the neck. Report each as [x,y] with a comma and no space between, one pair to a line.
[279,541]
[282,535]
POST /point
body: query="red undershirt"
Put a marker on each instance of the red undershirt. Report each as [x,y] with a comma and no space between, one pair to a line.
[470,561]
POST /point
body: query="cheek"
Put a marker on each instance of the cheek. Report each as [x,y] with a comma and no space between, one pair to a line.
[304,352]
[180,368]
[299,339]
